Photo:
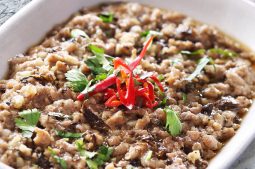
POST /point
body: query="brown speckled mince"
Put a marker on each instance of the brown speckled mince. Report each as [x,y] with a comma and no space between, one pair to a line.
[217,99]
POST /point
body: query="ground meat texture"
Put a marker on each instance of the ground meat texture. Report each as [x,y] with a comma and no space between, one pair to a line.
[210,106]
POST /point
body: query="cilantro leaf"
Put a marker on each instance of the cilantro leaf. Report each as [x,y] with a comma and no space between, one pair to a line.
[77,80]
[64,134]
[27,121]
[194,53]
[100,62]
[201,64]
[58,159]
[184,97]
[148,155]
[79,144]
[94,159]
[173,123]
[150,33]
[75,33]
[224,52]
[101,77]
[106,17]
[161,77]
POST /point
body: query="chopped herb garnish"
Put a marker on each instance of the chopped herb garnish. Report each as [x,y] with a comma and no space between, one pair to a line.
[100,63]
[106,17]
[27,121]
[194,53]
[224,52]
[149,33]
[163,102]
[101,77]
[201,64]
[173,123]
[76,80]
[65,134]
[94,159]
[145,33]
[184,97]
[148,155]
[80,145]
[75,33]
[58,159]
[161,77]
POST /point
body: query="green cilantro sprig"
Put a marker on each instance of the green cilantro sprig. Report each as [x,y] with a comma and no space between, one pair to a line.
[173,123]
[106,17]
[100,62]
[27,121]
[94,159]
[58,159]
[65,134]
[76,80]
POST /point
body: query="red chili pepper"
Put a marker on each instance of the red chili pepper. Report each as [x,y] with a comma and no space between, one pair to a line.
[113,102]
[120,91]
[81,96]
[110,80]
[130,94]
[109,93]
[156,80]
[119,62]
[151,91]
[136,62]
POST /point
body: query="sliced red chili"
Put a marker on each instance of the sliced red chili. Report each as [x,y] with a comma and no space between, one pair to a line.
[119,62]
[113,102]
[137,61]
[130,95]
[120,91]
[110,80]
[156,80]
[109,93]
[151,91]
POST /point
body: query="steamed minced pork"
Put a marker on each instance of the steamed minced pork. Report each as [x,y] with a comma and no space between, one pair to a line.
[174,108]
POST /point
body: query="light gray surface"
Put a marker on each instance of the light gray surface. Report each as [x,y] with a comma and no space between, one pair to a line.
[9,7]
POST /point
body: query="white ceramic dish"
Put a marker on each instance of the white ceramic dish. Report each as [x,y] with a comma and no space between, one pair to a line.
[235,17]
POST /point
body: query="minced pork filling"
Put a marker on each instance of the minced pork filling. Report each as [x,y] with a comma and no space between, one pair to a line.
[125,85]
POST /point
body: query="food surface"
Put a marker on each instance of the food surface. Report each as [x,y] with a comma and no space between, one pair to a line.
[125,85]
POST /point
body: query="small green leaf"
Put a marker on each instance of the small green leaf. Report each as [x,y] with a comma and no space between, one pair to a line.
[76,80]
[201,64]
[194,53]
[101,77]
[27,121]
[100,63]
[75,33]
[88,88]
[161,77]
[224,52]
[65,134]
[163,102]
[92,164]
[80,144]
[94,159]
[184,97]
[58,159]
[148,155]
[173,123]
[145,33]
[150,33]
[106,17]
